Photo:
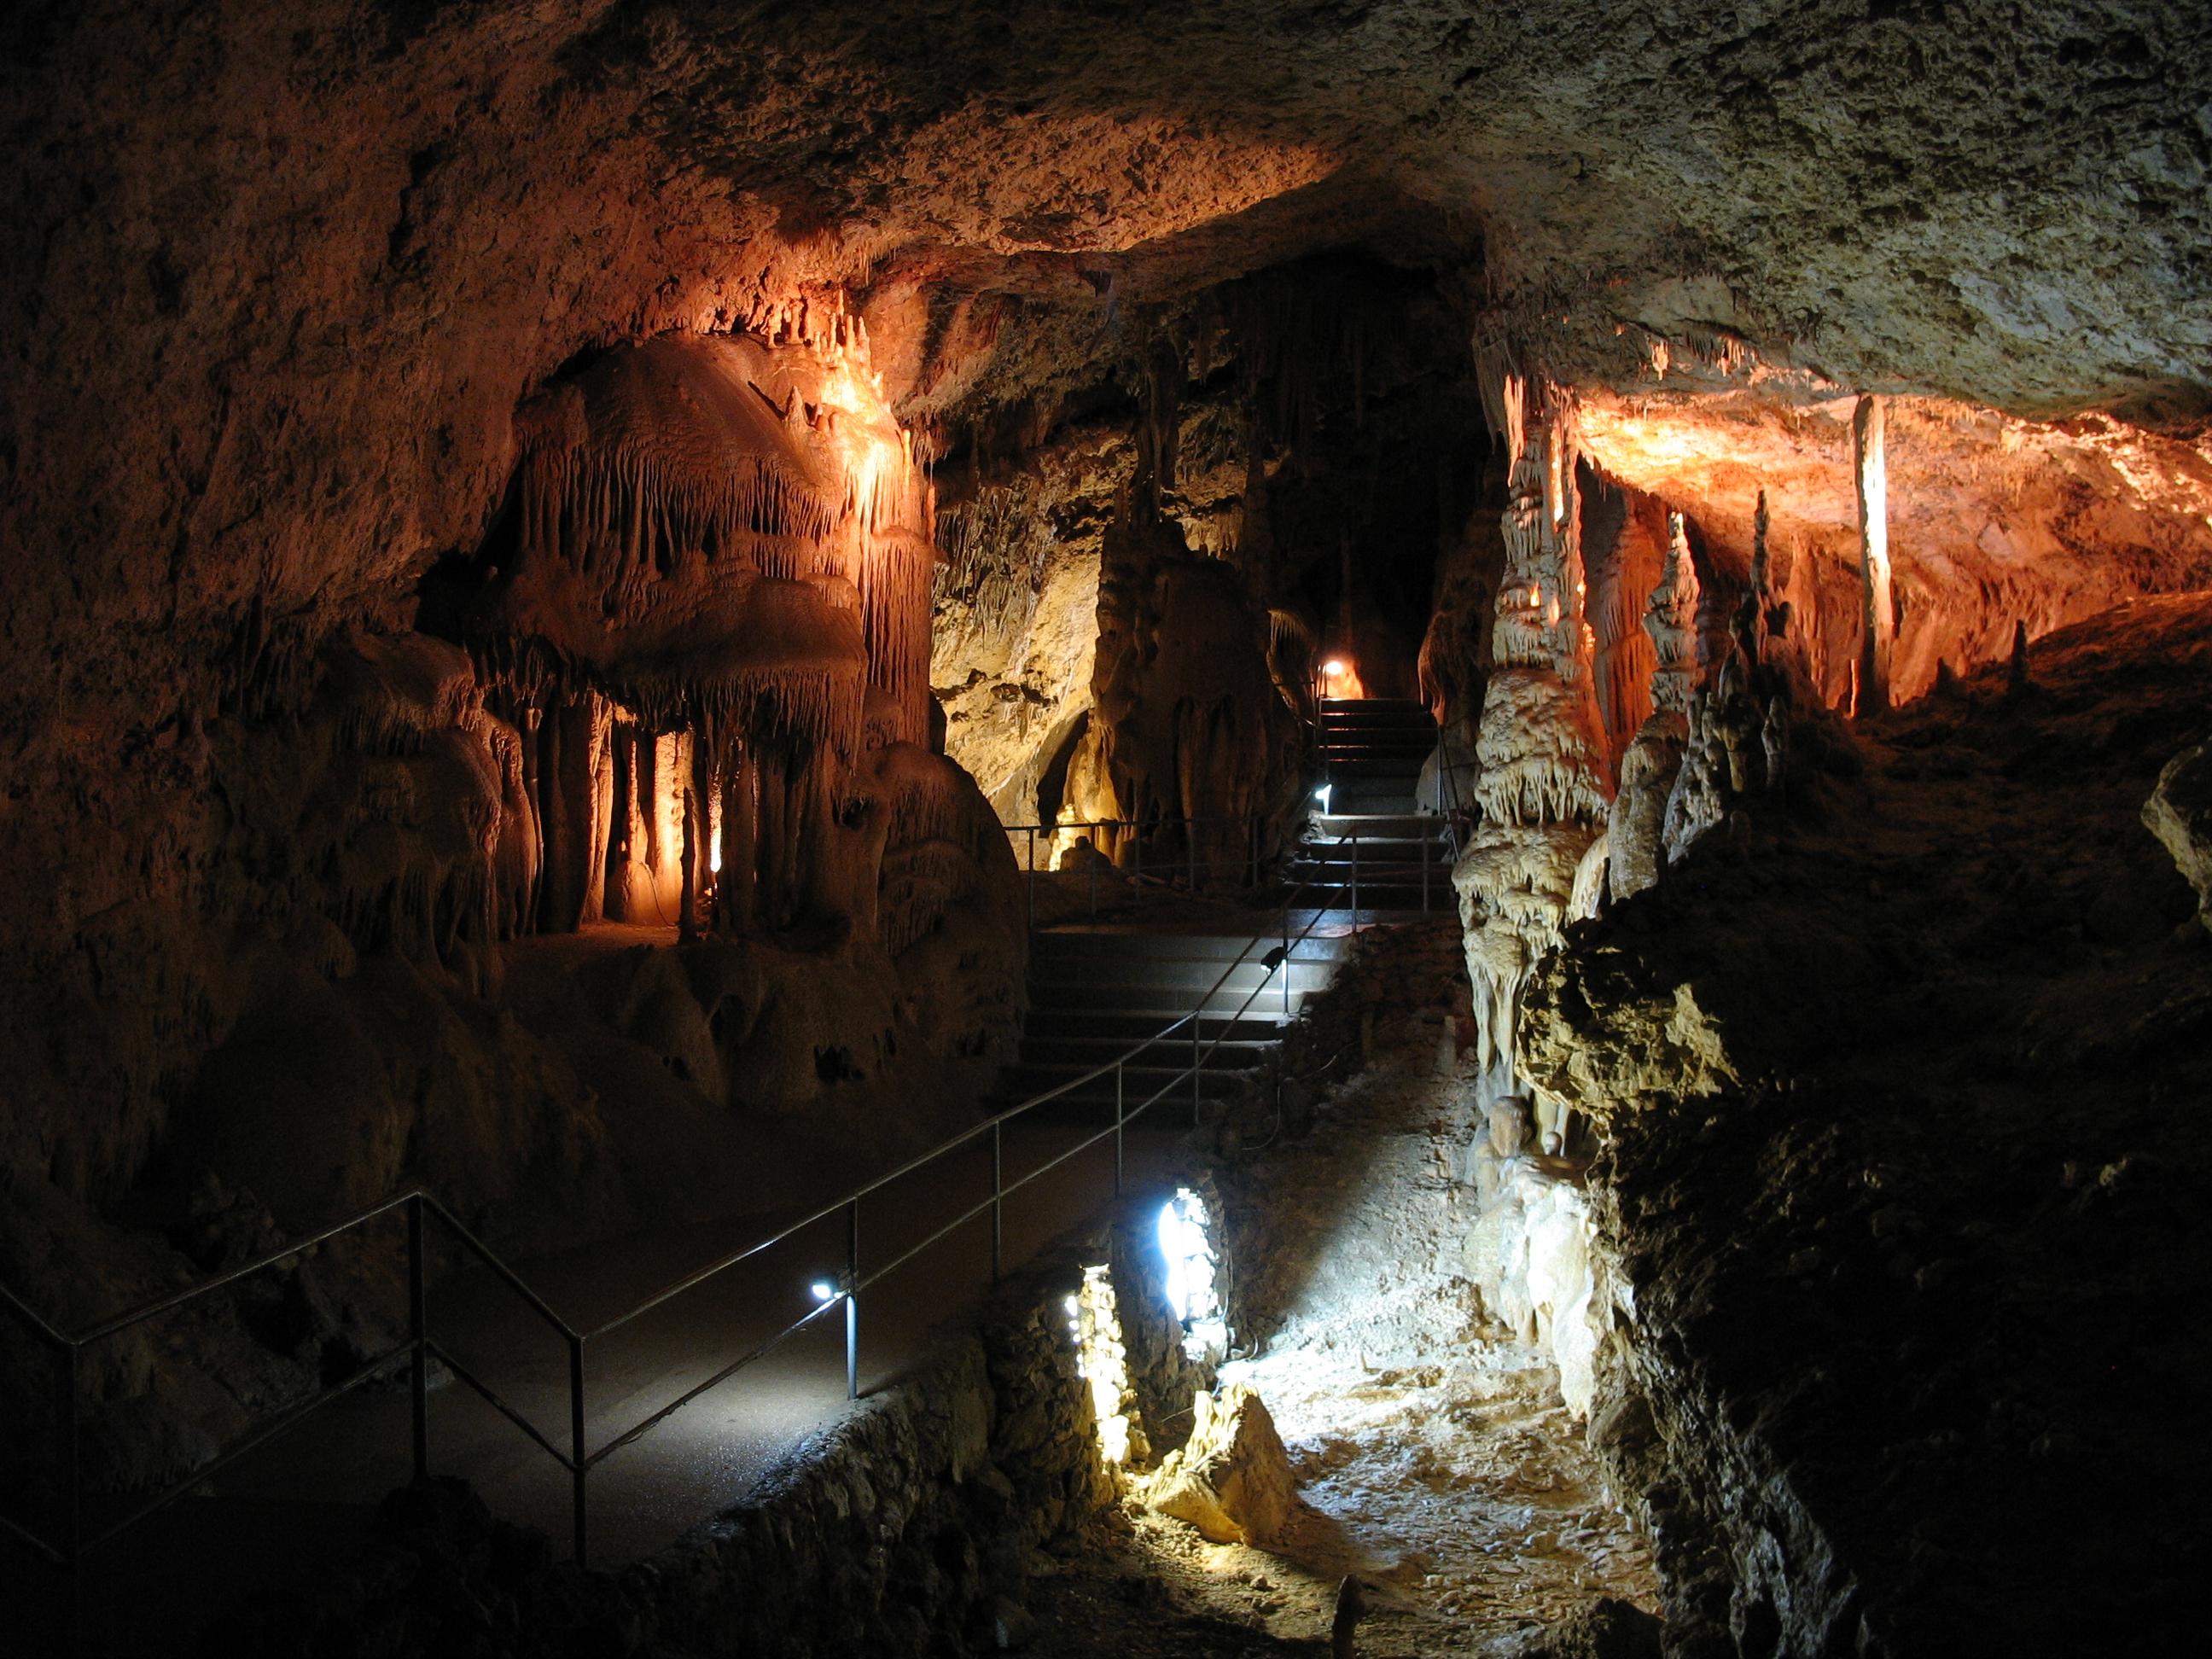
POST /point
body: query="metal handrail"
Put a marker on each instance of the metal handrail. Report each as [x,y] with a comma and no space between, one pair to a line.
[421,1348]
[1189,863]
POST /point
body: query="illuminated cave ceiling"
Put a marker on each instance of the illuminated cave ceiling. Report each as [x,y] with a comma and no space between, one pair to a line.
[281,281]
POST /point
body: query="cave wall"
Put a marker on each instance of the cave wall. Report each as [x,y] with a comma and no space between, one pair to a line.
[317,262]
[1887,1106]
[287,287]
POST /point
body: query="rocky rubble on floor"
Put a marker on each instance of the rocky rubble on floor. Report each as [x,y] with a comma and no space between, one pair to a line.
[1231,1480]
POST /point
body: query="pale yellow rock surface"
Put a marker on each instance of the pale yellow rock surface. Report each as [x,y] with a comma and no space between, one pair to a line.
[1232,1478]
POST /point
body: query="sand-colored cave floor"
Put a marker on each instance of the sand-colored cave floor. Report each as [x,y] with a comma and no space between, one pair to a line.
[1438,1463]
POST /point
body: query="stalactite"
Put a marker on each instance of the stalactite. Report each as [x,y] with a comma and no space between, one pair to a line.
[1878,618]
[731,538]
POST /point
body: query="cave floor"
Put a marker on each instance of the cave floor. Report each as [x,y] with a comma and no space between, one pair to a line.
[1436,1463]
[306,1498]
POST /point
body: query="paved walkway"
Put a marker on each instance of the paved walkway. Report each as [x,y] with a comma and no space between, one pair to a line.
[306,1499]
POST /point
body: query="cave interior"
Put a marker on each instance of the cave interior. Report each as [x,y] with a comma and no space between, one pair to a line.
[583,580]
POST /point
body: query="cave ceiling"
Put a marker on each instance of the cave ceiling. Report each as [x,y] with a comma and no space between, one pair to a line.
[282,276]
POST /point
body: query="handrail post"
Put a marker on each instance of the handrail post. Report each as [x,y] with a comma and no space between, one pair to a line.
[1190,852]
[1424,875]
[998,1200]
[853,1300]
[1286,957]
[1355,881]
[1030,877]
[1118,1120]
[581,1475]
[418,1333]
[1091,864]
[1137,855]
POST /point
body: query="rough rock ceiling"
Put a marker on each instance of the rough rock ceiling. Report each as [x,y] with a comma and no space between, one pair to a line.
[280,280]
[1998,201]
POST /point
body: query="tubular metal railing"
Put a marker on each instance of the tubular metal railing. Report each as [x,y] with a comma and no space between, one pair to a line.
[71,1541]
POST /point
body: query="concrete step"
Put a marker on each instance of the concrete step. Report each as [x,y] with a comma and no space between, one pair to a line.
[1139,1078]
[1405,774]
[1397,830]
[1363,798]
[1391,730]
[1346,763]
[1110,977]
[1164,1003]
[1403,708]
[1062,945]
[1394,896]
[1387,739]
[1380,740]
[1229,1053]
[1339,871]
[1128,1027]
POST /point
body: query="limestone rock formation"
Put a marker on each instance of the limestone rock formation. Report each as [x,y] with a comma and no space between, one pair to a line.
[1232,1478]
[1792,1064]
[1636,829]
[1544,792]
[2179,813]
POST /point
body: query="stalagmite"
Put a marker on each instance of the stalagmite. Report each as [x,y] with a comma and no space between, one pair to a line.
[1878,618]
[2017,683]
[1649,769]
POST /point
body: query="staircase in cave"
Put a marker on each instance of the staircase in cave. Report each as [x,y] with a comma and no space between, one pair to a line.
[1372,751]
[1095,992]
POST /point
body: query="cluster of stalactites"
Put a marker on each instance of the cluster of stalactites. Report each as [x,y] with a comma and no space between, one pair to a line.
[660,488]
[727,540]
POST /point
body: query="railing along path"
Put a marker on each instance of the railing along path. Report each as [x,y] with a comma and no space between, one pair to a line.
[72,1540]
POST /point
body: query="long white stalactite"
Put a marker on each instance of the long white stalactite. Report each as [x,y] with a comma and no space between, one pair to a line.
[1878,620]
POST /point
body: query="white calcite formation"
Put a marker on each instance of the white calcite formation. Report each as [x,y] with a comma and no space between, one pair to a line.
[1544,792]
[1529,1257]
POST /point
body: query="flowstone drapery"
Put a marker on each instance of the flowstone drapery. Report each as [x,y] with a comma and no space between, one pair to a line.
[714,623]
[1543,791]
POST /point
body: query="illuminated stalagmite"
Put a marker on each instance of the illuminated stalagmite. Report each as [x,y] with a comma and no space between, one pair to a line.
[1544,794]
[1648,770]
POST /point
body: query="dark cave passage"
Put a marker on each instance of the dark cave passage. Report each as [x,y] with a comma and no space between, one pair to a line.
[1568,655]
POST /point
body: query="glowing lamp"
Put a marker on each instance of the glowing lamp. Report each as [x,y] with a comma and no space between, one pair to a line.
[822,1290]
[1333,668]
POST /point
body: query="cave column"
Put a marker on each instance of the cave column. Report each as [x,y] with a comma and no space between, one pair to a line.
[1536,859]
[688,899]
[1870,472]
